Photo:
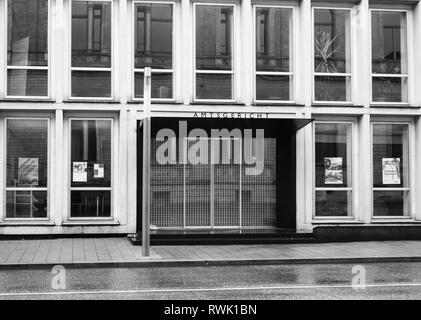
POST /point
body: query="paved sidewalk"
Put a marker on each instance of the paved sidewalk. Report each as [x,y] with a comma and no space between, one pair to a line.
[92,252]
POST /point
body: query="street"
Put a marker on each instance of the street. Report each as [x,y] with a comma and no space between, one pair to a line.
[316,281]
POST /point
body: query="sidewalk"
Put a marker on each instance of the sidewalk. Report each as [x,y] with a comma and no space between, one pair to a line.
[119,252]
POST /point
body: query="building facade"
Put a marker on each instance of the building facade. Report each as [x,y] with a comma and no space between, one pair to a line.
[330,85]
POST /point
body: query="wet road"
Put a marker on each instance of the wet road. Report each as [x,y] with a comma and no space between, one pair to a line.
[383,281]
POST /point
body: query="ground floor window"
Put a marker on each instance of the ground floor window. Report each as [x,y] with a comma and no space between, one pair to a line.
[91,150]
[26,168]
[333,169]
[391,186]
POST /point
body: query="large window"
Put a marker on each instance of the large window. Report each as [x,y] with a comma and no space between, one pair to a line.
[274,77]
[333,169]
[27,168]
[91,49]
[27,48]
[214,59]
[389,57]
[153,48]
[390,169]
[91,147]
[332,55]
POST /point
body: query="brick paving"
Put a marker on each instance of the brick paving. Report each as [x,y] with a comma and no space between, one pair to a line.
[120,251]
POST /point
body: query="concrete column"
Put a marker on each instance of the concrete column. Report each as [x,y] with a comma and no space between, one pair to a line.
[247,55]
[123,52]
[416,205]
[57,51]
[363,187]
[3,48]
[58,170]
[187,63]
[304,55]
[415,73]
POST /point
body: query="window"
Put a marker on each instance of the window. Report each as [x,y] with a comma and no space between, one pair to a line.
[390,169]
[91,147]
[274,77]
[27,168]
[389,57]
[153,48]
[27,48]
[332,55]
[333,169]
[214,59]
[91,49]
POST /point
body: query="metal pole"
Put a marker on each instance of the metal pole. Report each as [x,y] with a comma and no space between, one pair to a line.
[146,190]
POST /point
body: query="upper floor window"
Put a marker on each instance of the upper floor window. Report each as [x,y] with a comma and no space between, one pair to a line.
[274,76]
[91,49]
[332,55]
[214,55]
[27,48]
[153,48]
[389,56]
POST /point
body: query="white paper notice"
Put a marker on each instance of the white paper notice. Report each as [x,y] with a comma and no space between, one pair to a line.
[98,170]
[333,170]
[391,170]
[80,171]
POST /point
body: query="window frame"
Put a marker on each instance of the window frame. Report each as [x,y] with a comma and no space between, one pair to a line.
[231,72]
[111,69]
[402,76]
[45,68]
[135,70]
[346,75]
[292,45]
[411,157]
[47,189]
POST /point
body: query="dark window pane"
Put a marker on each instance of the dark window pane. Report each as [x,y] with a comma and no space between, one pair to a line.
[90,204]
[161,85]
[333,203]
[27,37]
[332,88]
[388,42]
[273,33]
[213,37]
[153,36]
[91,153]
[91,34]
[33,83]
[27,153]
[26,204]
[214,86]
[270,87]
[332,41]
[391,203]
[91,84]
[390,89]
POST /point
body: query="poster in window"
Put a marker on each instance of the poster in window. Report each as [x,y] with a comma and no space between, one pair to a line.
[333,170]
[391,170]
[80,171]
[28,171]
[98,170]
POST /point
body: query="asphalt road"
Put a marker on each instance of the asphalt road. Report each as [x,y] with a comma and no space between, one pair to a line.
[322,281]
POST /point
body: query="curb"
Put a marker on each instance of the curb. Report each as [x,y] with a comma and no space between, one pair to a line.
[204,263]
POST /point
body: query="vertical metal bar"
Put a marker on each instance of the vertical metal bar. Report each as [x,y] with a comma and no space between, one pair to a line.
[146,190]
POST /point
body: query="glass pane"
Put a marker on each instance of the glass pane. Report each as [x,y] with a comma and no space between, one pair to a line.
[90,204]
[391,203]
[390,155]
[332,88]
[213,37]
[91,153]
[27,34]
[390,89]
[332,41]
[91,34]
[26,204]
[213,86]
[389,53]
[32,83]
[273,34]
[27,153]
[91,84]
[269,87]
[153,36]
[161,85]
[333,203]
[333,155]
